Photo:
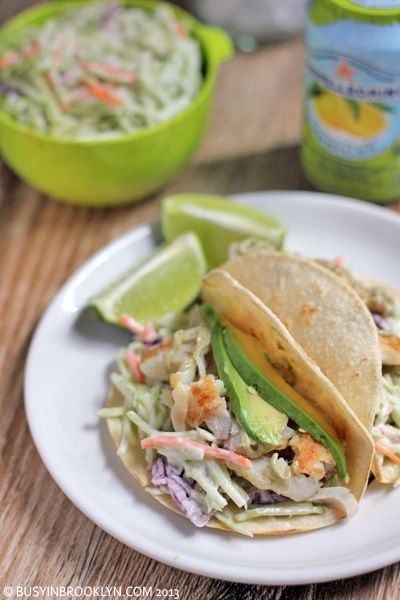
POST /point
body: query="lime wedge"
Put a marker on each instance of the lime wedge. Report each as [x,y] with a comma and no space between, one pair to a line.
[168,280]
[217,222]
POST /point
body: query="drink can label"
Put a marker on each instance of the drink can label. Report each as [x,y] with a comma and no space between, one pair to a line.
[351,134]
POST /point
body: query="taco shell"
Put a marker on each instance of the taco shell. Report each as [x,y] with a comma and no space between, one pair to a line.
[325,316]
[331,322]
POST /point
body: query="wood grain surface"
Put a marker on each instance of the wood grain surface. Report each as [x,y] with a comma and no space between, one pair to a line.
[251,144]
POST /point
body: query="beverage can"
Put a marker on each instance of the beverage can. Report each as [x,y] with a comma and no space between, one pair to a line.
[351,133]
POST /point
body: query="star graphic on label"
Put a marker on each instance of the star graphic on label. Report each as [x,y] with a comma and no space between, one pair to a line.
[344,71]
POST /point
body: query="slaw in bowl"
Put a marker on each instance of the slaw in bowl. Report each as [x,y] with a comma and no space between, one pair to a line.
[120,166]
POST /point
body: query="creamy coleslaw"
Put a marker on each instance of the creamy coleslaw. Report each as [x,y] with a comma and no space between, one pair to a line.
[196,449]
[386,429]
[100,70]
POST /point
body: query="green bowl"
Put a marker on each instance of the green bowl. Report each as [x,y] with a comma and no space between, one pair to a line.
[123,169]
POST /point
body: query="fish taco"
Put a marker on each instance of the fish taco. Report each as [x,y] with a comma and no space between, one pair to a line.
[223,418]
[349,324]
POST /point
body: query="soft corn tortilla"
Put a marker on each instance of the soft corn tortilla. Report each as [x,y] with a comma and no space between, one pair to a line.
[325,316]
[242,308]
[333,325]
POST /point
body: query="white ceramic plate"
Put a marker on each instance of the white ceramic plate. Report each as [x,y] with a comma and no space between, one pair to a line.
[67,378]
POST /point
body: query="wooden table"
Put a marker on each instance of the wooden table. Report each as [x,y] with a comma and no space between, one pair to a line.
[251,144]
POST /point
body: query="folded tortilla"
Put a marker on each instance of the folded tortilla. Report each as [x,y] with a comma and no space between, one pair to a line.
[325,316]
[333,325]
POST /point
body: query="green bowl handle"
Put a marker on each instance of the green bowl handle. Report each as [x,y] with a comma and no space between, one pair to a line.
[219,42]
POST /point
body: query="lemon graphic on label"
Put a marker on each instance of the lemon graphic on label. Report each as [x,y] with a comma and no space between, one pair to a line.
[360,119]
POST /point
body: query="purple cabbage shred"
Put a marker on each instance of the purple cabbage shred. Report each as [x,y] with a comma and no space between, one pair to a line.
[170,477]
[152,343]
[5,88]
[264,497]
[109,15]
[381,322]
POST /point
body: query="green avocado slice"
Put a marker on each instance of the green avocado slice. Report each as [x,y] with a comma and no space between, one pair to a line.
[257,417]
[251,363]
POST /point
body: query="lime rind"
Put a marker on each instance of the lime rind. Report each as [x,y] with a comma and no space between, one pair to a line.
[198,230]
[167,281]
[218,222]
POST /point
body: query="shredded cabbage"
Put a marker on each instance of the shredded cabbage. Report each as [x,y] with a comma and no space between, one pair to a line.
[386,429]
[99,71]
[282,509]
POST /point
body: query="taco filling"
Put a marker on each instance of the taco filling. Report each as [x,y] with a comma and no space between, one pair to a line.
[227,447]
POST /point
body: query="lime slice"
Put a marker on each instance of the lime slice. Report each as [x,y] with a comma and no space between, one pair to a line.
[168,280]
[217,222]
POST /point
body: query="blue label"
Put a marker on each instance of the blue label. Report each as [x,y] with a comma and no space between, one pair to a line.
[353,86]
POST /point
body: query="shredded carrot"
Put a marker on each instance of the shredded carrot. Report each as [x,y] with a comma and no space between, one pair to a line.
[149,331]
[31,50]
[122,74]
[102,92]
[58,57]
[171,441]
[144,331]
[133,361]
[131,324]
[79,96]
[9,59]
[180,29]
[381,448]
[338,261]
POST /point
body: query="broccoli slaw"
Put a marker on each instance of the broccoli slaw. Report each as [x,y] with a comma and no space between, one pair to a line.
[98,71]
[386,429]
[196,449]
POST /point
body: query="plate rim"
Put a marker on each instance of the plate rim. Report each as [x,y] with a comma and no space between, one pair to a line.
[114,246]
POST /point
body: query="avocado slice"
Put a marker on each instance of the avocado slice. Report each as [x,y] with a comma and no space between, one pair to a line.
[257,417]
[250,361]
